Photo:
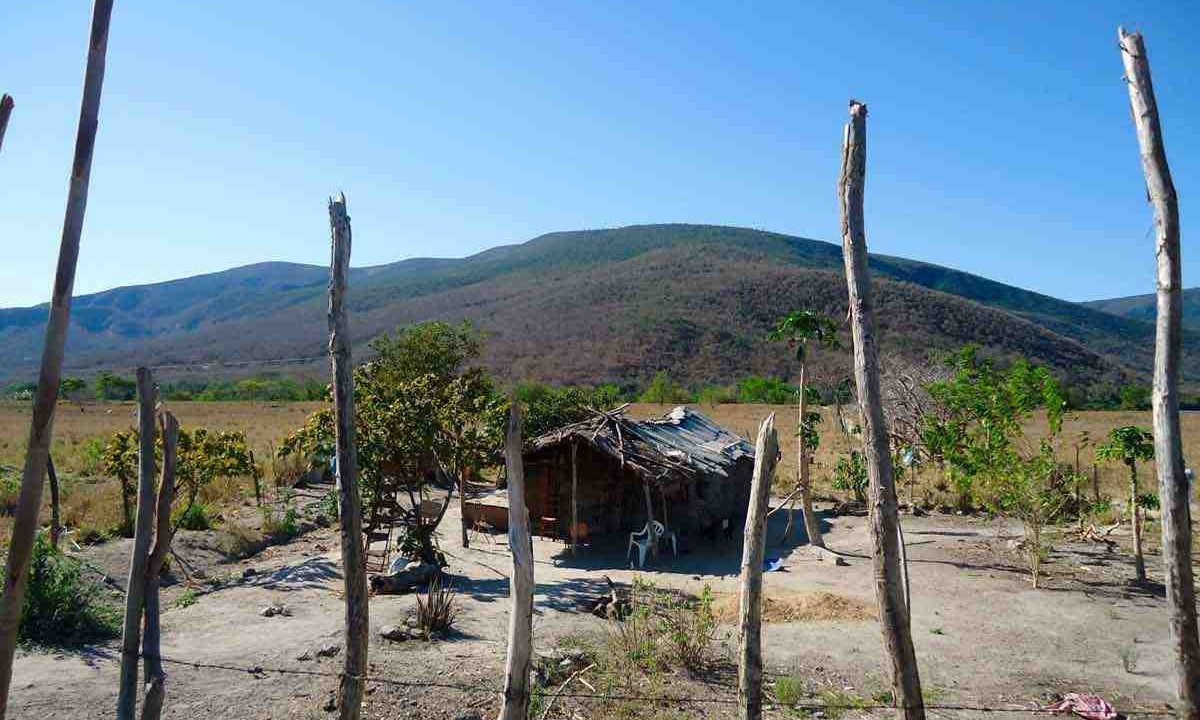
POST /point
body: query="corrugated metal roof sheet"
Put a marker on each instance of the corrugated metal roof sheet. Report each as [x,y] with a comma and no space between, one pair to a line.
[682,441]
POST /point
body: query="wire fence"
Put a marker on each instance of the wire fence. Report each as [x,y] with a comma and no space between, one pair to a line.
[261,671]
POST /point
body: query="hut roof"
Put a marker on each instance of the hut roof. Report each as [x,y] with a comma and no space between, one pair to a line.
[682,442]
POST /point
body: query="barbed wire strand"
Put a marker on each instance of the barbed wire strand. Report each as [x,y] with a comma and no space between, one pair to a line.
[259,671]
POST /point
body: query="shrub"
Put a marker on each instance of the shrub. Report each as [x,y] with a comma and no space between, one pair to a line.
[437,610]
[280,525]
[662,390]
[768,391]
[690,627]
[663,628]
[62,607]
[194,517]
[850,475]
[788,690]
[187,598]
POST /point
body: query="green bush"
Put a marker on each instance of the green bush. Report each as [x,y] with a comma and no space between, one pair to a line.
[662,390]
[789,691]
[281,525]
[767,391]
[62,607]
[194,517]
[850,475]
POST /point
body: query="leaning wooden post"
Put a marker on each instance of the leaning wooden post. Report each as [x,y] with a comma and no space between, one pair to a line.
[164,532]
[766,454]
[1168,453]
[6,106]
[55,503]
[135,589]
[520,619]
[885,549]
[354,670]
[41,429]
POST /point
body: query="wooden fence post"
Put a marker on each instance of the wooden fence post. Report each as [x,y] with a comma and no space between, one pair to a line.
[55,502]
[520,619]
[350,691]
[6,107]
[766,454]
[1168,453]
[135,589]
[885,521]
[41,427]
[164,532]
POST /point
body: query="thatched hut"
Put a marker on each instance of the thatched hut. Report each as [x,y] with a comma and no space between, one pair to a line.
[612,473]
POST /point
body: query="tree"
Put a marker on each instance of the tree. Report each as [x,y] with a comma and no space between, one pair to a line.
[977,431]
[112,387]
[423,417]
[71,388]
[850,475]
[798,329]
[662,390]
[203,457]
[1128,445]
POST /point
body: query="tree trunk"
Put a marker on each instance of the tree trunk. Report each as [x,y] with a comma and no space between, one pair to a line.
[156,677]
[1135,523]
[143,533]
[1095,483]
[41,427]
[6,107]
[55,503]
[462,508]
[520,621]
[754,542]
[354,670]
[884,520]
[1173,485]
[651,535]
[812,525]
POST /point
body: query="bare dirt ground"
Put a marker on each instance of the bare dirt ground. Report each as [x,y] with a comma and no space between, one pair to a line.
[984,636]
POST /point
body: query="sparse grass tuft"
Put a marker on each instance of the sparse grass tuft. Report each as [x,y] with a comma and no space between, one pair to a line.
[438,609]
[187,598]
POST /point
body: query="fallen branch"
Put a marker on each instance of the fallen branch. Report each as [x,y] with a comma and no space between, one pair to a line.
[559,691]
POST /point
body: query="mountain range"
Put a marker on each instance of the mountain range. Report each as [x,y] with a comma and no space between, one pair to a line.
[592,306]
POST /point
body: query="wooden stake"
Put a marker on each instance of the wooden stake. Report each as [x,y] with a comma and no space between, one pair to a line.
[164,532]
[55,503]
[41,428]
[889,585]
[354,569]
[651,535]
[766,454]
[135,589]
[1168,453]
[812,526]
[520,620]
[6,107]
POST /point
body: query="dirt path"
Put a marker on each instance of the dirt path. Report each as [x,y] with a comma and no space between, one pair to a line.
[983,635]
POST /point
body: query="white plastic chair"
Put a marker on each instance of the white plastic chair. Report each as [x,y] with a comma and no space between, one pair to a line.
[641,541]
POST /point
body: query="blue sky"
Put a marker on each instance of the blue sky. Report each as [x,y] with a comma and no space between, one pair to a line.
[1000,139]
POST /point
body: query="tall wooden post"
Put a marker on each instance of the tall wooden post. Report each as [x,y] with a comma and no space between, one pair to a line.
[885,550]
[6,107]
[354,569]
[1168,453]
[812,526]
[520,619]
[766,454]
[164,532]
[41,428]
[143,532]
[651,535]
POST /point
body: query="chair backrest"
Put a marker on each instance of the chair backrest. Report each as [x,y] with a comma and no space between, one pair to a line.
[659,528]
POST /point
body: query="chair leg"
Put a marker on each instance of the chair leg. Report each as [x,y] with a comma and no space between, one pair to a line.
[642,555]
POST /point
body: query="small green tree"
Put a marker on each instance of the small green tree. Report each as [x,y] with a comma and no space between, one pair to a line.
[119,460]
[850,475]
[423,416]
[1128,445]
[662,390]
[799,329]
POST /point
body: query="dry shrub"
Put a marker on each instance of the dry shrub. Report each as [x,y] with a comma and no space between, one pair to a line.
[237,540]
[819,606]
[437,610]
[289,470]
[224,491]
[93,510]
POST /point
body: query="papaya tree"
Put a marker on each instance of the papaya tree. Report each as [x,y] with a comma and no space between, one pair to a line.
[1128,445]
[799,329]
